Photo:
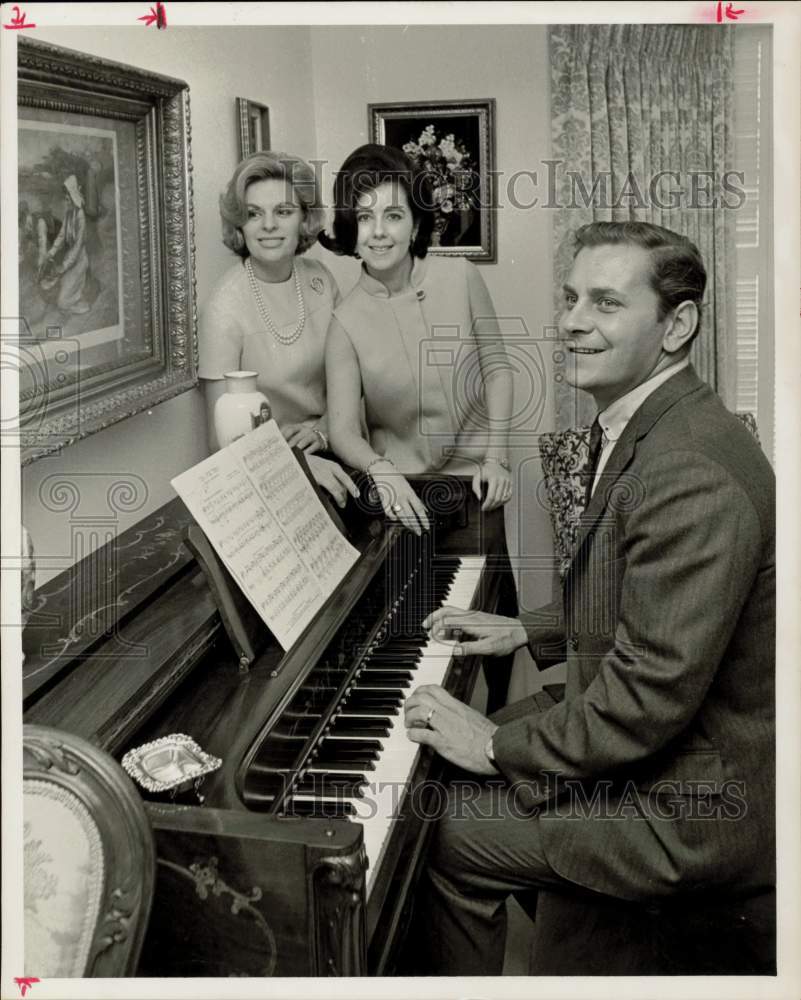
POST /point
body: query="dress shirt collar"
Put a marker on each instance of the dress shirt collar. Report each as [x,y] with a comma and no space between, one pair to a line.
[614,418]
[375,287]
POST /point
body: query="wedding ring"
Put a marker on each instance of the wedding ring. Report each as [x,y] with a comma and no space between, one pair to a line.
[429,716]
[396,508]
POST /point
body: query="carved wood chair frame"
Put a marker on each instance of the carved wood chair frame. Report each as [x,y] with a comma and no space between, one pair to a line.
[98,782]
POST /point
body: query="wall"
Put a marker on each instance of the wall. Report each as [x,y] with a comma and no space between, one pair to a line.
[317,83]
[219,64]
[355,66]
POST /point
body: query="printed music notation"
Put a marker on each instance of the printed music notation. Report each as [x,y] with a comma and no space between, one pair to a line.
[268,526]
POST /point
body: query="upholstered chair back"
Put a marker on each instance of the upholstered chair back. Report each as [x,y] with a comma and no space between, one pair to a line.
[88,859]
[564,455]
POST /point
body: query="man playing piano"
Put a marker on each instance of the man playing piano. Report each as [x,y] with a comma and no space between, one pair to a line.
[654,776]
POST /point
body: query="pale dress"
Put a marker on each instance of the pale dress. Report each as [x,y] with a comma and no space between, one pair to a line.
[417,352]
[233,336]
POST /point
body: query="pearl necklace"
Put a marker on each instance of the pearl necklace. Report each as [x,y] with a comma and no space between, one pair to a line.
[285,339]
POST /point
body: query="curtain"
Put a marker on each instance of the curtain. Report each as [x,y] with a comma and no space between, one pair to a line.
[642,129]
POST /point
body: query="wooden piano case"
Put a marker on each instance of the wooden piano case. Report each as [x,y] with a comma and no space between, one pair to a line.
[128,645]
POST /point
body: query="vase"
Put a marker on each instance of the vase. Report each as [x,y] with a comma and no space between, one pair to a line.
[241,407]
[440,225]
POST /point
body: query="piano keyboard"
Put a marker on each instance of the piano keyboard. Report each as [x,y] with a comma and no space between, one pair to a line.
[339,783]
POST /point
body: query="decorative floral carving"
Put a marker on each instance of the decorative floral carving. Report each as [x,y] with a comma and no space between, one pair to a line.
[51,754]
[339,891]
[206,878]
[116,921]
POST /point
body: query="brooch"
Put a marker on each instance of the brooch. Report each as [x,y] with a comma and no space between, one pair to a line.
[318,285]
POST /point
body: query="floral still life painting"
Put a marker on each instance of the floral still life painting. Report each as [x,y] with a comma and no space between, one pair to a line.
[455,181]
[454,144]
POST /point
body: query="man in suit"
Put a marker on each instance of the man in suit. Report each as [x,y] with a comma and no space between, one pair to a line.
[654,776]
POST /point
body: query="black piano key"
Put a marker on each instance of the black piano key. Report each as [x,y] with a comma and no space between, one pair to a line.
[331,755]
[319,809]
[360,727]
[396,679]
[381,661]
[374,701]
[345,766]
[343,745]
[406,659]
[345,711]
[332,785]
[364,696]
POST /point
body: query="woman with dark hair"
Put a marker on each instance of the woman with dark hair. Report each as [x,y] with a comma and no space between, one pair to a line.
[270,311]
[417,339]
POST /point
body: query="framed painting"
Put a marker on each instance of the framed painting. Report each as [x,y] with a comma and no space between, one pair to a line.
[454,142]
[253,120]
[107,319]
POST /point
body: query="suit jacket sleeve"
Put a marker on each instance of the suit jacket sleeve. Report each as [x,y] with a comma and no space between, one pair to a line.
[545,628]
[692,549]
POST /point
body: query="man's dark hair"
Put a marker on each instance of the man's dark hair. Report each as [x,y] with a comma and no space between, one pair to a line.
[366,169]
[677,270]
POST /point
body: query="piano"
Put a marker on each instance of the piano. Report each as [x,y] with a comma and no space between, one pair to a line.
[300,854]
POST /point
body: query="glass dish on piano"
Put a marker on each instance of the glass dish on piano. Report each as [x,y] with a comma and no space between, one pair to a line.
[173,764]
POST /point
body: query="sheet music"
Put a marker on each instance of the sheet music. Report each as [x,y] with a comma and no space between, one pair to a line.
[267,524]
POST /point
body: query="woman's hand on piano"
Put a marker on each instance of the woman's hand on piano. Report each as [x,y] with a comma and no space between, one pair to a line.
[492,635]
[399,500]
[492,483]
[332,477]
[302,436]
[457,732]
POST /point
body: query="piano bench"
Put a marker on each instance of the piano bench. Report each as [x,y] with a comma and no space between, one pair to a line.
[586,934]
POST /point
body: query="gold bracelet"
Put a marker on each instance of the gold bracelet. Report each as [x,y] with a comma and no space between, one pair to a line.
[323,439]
[376,461]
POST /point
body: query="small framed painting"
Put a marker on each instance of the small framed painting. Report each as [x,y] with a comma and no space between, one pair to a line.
[454,142]
[253,121]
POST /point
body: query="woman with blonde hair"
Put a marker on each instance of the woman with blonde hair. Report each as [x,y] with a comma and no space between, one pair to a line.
[270,311]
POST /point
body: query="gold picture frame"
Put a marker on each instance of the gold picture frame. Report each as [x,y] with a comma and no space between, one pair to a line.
[107,323]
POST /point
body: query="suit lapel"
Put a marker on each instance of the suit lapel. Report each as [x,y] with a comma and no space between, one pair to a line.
[641,423]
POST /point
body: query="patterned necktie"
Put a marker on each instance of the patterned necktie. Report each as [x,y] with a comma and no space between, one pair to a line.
[596,445]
